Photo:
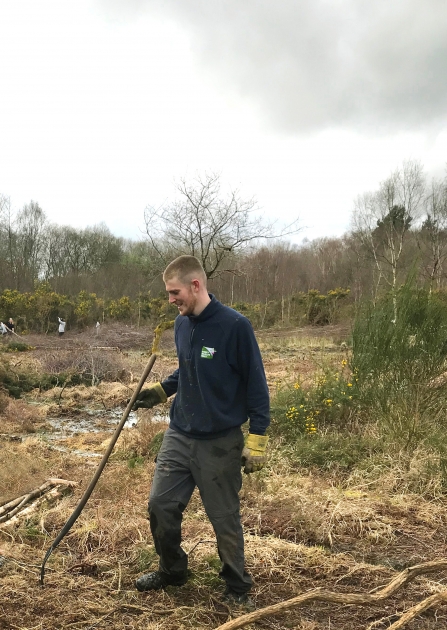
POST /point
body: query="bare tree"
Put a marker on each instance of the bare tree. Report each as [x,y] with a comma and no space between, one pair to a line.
[22,241]
[432,238]
[207,224]
[30,234]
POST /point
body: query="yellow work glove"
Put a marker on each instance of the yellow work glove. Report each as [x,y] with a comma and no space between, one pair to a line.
[253,455]
[148,398]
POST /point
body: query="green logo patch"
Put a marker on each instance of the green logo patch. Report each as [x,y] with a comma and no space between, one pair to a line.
[207,353]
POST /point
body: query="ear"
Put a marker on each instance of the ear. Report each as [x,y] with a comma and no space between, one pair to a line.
[195,284]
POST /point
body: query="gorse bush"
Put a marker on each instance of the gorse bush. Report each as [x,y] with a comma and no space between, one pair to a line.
[334,450]
[409,347]
[15,346]
[39,310]
[298,309]
[392,385]
[328,402]
[16,380]
[398,357]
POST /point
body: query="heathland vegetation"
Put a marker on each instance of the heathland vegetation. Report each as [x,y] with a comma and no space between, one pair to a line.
[90,275]
[355,487]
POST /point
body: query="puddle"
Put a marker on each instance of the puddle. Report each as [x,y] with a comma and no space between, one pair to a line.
[94,421]
[90,421]
[158,417]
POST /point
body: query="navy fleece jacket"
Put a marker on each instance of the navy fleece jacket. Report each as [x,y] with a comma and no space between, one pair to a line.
[220,381]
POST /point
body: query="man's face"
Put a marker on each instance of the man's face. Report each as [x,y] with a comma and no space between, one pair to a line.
[184,296]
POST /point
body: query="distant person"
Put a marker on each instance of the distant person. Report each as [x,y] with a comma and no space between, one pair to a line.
[3,329]
[10,325]
[62,324]
[97,327]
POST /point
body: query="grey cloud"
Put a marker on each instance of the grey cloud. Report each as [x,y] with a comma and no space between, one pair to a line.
[322,63]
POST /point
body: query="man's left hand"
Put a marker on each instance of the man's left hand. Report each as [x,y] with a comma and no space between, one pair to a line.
[253,455]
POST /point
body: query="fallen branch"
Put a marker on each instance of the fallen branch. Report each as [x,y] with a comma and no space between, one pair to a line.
[319,594]
[11,508]
[429,602]
[53,495]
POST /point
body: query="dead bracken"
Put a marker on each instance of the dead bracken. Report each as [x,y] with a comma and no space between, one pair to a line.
[345,531]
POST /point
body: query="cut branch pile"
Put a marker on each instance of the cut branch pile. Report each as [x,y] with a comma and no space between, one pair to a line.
[321,595]
[24,505]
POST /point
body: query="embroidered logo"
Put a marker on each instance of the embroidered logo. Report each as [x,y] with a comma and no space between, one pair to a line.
[207,353]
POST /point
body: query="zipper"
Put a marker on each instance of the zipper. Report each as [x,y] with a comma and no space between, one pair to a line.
[190,340]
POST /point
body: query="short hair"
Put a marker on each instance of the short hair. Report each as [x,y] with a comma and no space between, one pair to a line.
[185,268]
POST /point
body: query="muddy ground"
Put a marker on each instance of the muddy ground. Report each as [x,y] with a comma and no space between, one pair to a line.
[304,529]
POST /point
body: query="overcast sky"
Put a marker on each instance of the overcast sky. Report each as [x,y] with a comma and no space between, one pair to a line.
[304,105]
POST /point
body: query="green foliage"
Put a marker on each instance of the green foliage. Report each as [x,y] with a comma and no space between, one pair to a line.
[320,309]
[15,346]
[328,402]
[16,381]
[120,309]
[39,310]
[396,363]
[155,444]
[300,308]
[145,558]
[135,461]
[393,386]
[342,451]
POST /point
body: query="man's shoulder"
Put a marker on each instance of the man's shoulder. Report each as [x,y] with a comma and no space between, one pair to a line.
[179,321]
[231,316]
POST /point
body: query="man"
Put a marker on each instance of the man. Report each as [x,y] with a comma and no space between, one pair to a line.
[219,384]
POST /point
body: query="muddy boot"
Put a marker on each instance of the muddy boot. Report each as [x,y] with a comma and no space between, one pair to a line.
[231,598]
[155,581]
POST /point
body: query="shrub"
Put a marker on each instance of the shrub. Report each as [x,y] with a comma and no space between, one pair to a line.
[89,368]
[398,358]
[16,346]
[328,402]
[15,380]
[333,450]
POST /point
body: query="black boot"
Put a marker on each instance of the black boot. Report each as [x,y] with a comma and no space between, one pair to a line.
[238,599]
[155,581]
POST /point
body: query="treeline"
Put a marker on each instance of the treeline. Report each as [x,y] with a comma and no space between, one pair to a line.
[400,228]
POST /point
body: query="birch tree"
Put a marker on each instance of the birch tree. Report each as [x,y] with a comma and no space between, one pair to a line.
[382,220]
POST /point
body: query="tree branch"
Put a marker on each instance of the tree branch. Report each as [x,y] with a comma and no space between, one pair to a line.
[319,594]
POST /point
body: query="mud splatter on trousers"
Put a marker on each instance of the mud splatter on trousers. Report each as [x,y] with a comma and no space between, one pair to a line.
[214,466]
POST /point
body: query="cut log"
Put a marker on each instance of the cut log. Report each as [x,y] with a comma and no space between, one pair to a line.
[11,508]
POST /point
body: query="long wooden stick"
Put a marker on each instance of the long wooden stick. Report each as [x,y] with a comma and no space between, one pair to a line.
[319,594]
[66,528]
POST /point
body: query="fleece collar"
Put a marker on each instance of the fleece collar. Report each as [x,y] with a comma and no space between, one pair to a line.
[207,312]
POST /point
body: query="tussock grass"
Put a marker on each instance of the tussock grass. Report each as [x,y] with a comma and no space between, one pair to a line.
[91,574]
[342,509]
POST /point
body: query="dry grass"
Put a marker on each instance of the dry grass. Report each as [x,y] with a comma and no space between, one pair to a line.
[90,576]
[20,417]
[302,529]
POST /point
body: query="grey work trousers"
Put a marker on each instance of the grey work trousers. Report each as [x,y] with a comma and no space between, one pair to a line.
[214,466]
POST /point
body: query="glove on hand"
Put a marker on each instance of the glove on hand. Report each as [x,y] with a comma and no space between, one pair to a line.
[150,397]
[253,455]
